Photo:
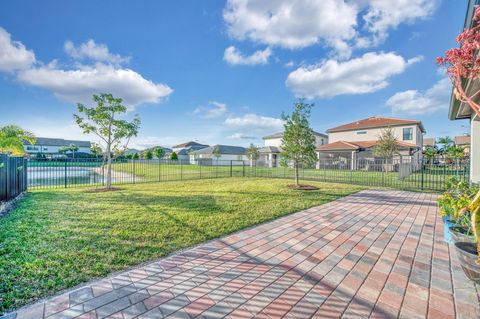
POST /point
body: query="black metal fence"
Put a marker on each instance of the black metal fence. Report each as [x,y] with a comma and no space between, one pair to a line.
[402,174]
[13,176]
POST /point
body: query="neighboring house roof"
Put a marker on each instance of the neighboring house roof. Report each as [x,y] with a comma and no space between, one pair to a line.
[429,141]
[46,141]
[353,146]
[166,149]
[187,150]
[131,151]
[189,144]
[270,149]
[462,140]
[224,149]
[280,135]
[375,122]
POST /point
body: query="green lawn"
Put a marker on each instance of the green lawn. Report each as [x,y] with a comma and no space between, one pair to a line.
[145,172]
[56,239]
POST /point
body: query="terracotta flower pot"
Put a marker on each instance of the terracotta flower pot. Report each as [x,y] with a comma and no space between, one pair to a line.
[459,234]
[467,254]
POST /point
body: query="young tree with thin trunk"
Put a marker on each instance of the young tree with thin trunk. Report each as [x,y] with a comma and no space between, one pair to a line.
[159,152]
[462,66]
[148,154]
[216,152]
[102,120]
[96,150]
[386,146]
[173,156]
[298,142]
[252,153]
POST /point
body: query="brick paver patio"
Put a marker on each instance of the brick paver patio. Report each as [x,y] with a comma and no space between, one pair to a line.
[376,254]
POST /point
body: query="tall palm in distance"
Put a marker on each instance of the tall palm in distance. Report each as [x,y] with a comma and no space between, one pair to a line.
[446,143]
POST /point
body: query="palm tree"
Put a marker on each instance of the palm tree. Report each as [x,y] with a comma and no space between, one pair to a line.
[446,142]
[12,138]
[430,153]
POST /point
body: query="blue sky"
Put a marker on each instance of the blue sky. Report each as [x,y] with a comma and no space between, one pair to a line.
[223,71]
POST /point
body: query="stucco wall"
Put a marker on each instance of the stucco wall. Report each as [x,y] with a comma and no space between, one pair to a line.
[475,151]
[373,133]
[319,140]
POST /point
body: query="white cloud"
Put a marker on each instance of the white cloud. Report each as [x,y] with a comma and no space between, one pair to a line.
[291,24]
[79,84]
[215,109]
[13,54]
[296,24]
[366,74]
[382,15]
[414,102]
[254,121]
[241,136]
[93,51]
[233,56]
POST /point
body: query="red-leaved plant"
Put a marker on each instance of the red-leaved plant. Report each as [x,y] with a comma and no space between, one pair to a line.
[463,64]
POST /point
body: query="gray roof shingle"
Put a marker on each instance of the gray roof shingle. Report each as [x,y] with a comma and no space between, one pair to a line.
[224,149]
[46,141]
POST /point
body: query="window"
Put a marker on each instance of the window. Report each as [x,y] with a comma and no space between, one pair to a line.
[361,132]
[408,134]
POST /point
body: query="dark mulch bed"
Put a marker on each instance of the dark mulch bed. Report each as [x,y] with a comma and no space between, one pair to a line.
[302,187]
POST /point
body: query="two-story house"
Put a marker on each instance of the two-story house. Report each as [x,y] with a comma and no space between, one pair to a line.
[357,140]
[270,152]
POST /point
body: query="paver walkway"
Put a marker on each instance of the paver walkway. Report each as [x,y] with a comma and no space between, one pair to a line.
[375,254]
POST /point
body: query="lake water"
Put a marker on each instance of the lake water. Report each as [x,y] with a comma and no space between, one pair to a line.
[59,176]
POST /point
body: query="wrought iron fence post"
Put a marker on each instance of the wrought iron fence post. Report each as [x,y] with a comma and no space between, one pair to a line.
[200,166]
[422,173]
[243,168]
[181,170]
[384,166]
[134,175]
[231,168]
[159,170]
[65,174]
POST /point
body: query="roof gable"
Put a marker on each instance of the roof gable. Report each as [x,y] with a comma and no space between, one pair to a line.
[189,144]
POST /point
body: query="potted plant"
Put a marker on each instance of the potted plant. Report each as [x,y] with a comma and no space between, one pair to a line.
[467,251]
[457,196]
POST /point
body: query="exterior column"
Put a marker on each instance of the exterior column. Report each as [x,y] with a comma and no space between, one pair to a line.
[353,164]
[317,164]
[475,149]
[270,160]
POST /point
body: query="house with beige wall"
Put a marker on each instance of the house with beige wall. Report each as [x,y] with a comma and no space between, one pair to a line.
[357,140]
[270,152]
